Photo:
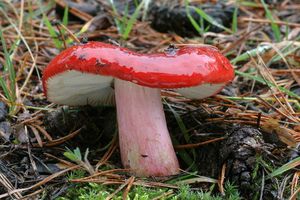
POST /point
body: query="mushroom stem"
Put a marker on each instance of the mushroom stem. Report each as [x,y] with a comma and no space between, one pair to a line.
[145,144]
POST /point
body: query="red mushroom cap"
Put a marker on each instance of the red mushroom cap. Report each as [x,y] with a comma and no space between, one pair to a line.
[86,66]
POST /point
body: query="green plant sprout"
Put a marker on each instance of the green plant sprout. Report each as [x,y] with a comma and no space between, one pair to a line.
[125,24]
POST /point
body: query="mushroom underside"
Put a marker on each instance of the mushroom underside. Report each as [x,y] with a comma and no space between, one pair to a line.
[77,88]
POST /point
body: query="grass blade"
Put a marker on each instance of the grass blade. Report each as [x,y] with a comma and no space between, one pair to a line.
[66,16]
[261,80]
[8,86]
[274,26]
[9,90]
[234,25]
[65,20]
[194,23]
[58,44]
[132,20]
[210,19]
[288,166]
[182,153]
[118,22]
[251,53]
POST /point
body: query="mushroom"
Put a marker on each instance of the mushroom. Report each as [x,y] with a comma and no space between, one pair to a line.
[96,73]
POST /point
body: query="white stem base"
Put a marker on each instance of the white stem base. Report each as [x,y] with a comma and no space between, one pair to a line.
[145,143]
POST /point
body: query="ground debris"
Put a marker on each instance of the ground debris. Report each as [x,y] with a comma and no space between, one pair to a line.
[239,152]
[174,18]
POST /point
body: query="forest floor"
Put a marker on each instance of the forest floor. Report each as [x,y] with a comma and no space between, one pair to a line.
[239,144]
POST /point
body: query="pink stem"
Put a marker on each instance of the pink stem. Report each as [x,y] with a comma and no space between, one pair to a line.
[145,144]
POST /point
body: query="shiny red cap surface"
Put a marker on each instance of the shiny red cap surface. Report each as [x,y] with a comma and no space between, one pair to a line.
[183,67]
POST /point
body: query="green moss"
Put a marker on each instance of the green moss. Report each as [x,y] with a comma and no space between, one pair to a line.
[94,191]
